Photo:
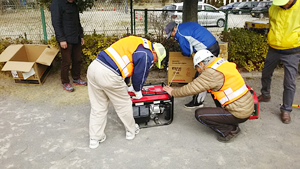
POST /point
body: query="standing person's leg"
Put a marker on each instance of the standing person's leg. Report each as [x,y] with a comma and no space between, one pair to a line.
[76,65]
[122,103]
[66,55]
[290,63]
[65,63]
[76,61]
[219,120]
[99,105]
[271,62]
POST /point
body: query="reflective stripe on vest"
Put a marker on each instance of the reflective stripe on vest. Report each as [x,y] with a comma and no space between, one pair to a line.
[231,95]
[234,85]
[121,53]
[122,61]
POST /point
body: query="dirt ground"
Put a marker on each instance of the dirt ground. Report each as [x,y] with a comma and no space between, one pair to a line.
[43,126]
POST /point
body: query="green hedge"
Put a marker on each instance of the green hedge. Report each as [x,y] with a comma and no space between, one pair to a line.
[247,49]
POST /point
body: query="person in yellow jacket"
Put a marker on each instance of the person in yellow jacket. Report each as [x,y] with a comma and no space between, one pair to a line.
[130,56]
[222,79]
[284,46]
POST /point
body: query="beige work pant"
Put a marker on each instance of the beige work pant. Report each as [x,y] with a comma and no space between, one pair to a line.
[105,86]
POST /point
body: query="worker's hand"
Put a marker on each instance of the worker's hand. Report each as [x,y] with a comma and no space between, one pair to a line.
[130,89]
[82,41]
[63,44]
[168,89]
[138,95]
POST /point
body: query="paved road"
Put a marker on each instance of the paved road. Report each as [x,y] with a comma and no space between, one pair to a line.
[46,127]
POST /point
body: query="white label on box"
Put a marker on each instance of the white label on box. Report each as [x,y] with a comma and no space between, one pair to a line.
[28,74]
[14,73]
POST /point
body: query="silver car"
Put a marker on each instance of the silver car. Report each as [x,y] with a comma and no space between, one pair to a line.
[208,15]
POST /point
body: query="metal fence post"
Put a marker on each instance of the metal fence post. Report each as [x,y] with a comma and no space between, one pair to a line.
[146,23]
[131,17]
[44,24]
[134,22]
[226,20]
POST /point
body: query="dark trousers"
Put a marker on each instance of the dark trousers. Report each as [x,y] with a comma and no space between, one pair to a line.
[290,62]
[218,119]
[215,49]
[70,55]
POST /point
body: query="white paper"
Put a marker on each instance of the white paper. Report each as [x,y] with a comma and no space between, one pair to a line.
[28,74]
[14,73]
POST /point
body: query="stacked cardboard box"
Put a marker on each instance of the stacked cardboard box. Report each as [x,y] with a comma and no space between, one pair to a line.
[223,50]
[181,68]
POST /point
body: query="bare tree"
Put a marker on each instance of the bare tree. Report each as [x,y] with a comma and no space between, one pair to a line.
[190,10]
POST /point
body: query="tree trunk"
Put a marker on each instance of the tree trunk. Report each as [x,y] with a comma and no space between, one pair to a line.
[190,11]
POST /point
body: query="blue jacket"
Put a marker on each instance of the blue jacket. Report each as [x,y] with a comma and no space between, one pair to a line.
[142,61]
[193,37]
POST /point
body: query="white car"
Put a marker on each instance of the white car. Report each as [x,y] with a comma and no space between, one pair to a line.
[208,15]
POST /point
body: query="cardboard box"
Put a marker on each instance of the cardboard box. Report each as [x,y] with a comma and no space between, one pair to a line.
[223,50]
[29,63]
[183,66]
[180,69]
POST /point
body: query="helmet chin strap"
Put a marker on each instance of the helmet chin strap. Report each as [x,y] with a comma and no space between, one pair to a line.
[200,66]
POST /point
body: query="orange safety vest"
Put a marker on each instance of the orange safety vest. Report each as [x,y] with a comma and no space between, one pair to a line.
[234,85]
[122,50]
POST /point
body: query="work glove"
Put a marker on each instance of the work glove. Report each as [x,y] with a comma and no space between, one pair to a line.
[138,95]
[130,89]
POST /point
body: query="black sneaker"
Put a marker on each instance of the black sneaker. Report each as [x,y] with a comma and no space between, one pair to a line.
[191,104]
[79,82]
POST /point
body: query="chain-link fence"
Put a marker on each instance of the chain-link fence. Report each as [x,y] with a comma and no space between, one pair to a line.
[25,18]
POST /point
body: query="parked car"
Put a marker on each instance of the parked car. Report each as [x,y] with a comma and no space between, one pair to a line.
[229,6]
[168,11]
[244,7]
[262,9]
[208,15]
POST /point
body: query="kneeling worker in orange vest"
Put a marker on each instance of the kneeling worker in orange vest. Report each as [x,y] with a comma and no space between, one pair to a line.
[131,56]
[222,79]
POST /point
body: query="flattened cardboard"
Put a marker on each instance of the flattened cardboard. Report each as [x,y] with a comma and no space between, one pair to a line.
[18,66]
[47,56]
[9,52]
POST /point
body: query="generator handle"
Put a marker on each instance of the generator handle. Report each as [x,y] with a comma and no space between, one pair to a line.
[158,83]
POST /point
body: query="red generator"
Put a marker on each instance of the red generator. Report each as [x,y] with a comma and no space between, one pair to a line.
[256,104]
[155,108]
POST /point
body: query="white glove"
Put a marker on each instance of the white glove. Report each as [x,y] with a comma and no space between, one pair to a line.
[130,89]
[138,95]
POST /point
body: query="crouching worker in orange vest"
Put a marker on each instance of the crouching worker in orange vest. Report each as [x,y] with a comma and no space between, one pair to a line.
[222,79]
[128,57]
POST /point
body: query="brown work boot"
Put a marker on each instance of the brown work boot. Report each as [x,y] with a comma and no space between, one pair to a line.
[262,98]
[232,134]
[285,117]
